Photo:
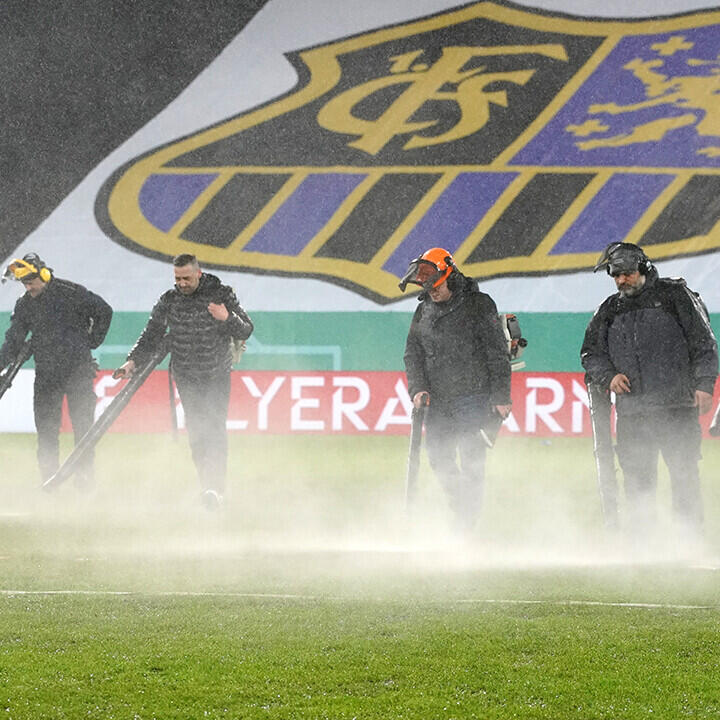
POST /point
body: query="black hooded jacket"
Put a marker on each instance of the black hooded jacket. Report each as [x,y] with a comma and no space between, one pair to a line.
[200,345]
[660,339]
[456,349]
[66,320]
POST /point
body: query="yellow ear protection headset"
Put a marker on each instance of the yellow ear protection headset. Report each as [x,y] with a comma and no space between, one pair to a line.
[27,268]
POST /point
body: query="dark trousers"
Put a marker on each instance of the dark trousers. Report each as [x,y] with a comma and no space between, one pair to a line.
[452,431]
[674,432]
[205,403]
[47,403]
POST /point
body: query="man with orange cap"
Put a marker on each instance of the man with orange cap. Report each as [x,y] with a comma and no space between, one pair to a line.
[457,362]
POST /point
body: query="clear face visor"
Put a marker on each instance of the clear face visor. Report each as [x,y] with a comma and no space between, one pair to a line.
[423,273]
[20,270]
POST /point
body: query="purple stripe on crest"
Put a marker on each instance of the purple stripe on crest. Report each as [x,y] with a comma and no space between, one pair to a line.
[304,213]
[612,213]
[452,217]
[164,198]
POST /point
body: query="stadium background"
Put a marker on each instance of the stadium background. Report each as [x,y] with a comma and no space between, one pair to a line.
[157,77]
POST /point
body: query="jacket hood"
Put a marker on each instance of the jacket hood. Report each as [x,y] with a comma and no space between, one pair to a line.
[209,282]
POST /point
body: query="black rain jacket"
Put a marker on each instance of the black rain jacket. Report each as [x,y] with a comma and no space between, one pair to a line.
[660,339]
[66,320]
[457,348]
[200,345]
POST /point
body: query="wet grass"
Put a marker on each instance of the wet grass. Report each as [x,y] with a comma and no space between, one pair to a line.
[314,595]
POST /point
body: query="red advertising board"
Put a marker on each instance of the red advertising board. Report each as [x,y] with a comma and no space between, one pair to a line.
[544,404]
[349,403]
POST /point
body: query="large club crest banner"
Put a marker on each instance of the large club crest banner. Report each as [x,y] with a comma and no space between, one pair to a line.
[522,142]
[327,146]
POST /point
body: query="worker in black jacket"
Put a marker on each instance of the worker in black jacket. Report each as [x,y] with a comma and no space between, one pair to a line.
[202,319]
[457,360]
[67,321]
[651,344]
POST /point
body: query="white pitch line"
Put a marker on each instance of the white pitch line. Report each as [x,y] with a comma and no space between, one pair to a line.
[594,603]
[168,593]
[319,598]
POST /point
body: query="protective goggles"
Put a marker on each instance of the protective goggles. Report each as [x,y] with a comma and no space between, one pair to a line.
[423,273]
[617,269]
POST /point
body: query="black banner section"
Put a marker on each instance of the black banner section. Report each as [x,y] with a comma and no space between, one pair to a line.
[695,210]
[376,76]
[233,208]
[374,219]
[545,199]
[81,76]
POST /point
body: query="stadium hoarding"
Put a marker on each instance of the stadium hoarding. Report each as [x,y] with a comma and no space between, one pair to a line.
[551,404]
[334,402]
[545,405]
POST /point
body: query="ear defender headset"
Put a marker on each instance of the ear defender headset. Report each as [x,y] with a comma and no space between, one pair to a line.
[27,268]
[644,265]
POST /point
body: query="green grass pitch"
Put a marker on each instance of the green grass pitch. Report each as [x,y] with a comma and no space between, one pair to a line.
[314,595]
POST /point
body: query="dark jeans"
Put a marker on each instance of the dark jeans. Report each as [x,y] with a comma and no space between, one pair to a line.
[205,403]
[453,430]
[674,432]
[47,403]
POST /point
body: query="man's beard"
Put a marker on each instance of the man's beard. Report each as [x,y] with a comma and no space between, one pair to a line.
[632,290]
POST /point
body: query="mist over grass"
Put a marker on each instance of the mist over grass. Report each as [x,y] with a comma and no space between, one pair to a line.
[333,496]
[313,594]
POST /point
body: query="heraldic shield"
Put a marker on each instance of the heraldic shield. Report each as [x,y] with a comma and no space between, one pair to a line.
[522,142]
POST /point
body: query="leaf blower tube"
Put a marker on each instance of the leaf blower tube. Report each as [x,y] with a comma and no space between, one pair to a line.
[8,374]
[103,423]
